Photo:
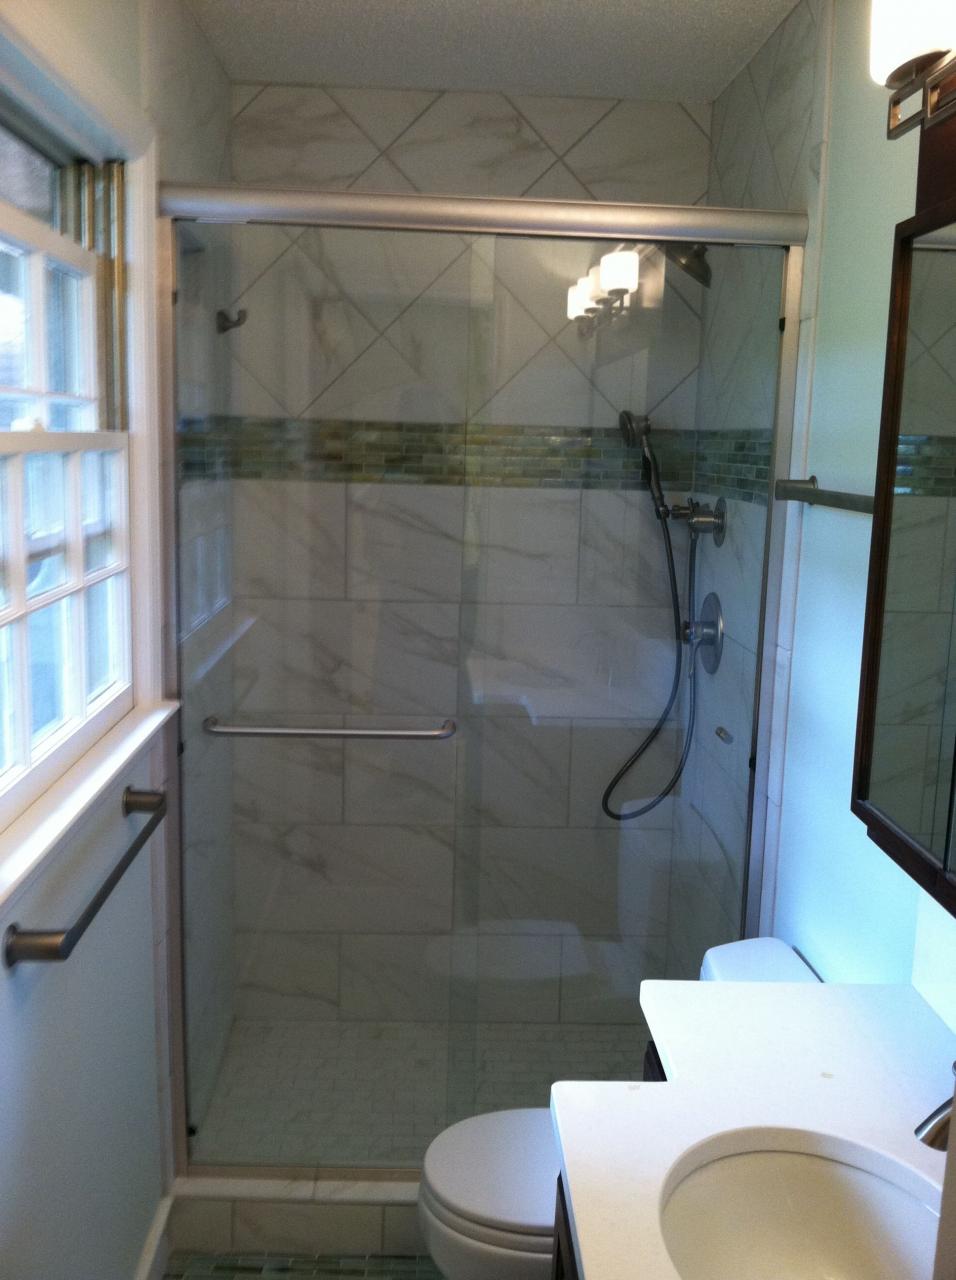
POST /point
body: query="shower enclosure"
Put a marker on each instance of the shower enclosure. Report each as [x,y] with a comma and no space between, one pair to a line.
[417,560]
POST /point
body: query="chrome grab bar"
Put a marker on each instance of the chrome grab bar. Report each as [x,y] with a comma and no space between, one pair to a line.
[211,724]
[48,944]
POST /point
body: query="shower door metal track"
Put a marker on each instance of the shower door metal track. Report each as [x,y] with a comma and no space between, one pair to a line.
[485,216]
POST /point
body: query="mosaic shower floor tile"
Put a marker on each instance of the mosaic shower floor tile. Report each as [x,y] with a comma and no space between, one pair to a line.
[376,1093]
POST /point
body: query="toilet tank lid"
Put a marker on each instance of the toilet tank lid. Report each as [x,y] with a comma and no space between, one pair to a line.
[755,960]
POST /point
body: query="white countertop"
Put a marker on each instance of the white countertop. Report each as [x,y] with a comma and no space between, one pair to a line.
[864,1063]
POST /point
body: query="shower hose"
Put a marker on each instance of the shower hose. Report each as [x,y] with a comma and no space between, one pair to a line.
[654,734]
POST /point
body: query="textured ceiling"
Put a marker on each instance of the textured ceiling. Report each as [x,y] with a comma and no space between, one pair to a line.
[663,49]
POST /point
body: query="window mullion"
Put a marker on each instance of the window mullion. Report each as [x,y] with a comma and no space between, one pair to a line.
[17,571]
[76,649]
[37,328]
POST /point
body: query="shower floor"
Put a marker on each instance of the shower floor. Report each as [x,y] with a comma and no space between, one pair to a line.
[376,1093]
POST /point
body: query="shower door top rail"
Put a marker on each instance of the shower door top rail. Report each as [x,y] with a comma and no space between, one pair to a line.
[484,215]
[447,729]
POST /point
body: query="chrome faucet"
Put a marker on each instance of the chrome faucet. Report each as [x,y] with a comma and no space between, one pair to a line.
[934,1130]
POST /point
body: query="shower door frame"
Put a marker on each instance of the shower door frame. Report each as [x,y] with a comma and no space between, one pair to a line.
[236,205]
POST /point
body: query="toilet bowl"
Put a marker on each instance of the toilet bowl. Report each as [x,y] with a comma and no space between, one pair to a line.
[489,1183]
[486,1204]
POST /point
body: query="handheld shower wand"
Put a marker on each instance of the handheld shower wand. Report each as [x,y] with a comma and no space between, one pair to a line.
[636,432]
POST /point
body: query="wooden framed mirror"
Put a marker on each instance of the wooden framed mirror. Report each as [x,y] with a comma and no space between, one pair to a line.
[903,782]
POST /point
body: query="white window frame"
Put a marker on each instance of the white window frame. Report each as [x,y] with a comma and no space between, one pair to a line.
[38,765]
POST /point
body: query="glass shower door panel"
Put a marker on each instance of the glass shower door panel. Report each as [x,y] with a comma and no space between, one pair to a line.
[403,498]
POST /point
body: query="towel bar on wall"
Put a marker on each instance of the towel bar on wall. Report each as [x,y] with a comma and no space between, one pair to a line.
[808,491]
[46,945]
[211,724]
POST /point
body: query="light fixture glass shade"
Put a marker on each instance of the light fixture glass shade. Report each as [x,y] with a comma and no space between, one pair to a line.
[903,31]
[588,297]
[598,294]
[620,272]
[578,302]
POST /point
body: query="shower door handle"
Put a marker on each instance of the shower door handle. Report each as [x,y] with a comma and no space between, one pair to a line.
[447,729]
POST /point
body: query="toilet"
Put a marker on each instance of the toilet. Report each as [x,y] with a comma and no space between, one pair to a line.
[487,1196]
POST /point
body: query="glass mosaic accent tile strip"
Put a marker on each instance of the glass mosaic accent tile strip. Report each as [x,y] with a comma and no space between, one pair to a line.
[242,1266]
[926,466]
[729,464]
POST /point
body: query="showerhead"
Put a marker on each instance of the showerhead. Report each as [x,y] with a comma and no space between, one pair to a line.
[691,258]
[633,429]
[636,433]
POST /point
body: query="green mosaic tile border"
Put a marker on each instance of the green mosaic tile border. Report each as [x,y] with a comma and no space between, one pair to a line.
[734,464]
[731,464]
[242,1266]
[926,466]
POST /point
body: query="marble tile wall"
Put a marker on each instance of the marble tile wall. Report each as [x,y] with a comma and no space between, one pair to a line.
[474,878]
[767,152]
[456,143]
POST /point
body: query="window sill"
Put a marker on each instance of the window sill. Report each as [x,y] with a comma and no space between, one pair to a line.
[27,843]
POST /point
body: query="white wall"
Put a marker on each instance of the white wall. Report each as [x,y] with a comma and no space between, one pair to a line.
[79,1090]
[839,898]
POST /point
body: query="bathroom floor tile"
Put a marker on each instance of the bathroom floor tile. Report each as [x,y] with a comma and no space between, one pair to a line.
[242,1266]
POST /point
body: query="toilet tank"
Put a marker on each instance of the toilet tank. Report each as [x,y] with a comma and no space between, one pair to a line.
[755,960]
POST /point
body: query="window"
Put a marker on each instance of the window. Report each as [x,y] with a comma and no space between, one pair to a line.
[64,565]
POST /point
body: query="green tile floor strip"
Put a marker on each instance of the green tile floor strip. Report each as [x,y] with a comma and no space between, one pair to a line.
[242,1266]
[733,464]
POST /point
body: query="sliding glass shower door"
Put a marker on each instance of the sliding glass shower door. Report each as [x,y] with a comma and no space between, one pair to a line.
[403,501]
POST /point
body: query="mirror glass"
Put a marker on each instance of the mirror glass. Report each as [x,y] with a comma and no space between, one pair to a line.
[911,773]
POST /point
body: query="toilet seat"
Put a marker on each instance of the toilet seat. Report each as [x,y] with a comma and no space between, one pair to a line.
[498,1170]
[486,1203]
[526,1242]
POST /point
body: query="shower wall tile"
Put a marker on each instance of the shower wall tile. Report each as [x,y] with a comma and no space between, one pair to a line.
[399,782]
[554,661]
[289,539]
[598,749]
[343,879]
[405,542]
[598,883]
[397,977]
[518,979]
[381,386]
[513,772]
[289,136]
[463,143]
[735,569]
[725,700]
[563,121]
[601,977]
[721,799]
[622,556]
[550,388]
[384,114]
[521,545]
[362,656]
[287,975]
[380,272]
[652,152]
[300,333]
[289,781]
[473,144]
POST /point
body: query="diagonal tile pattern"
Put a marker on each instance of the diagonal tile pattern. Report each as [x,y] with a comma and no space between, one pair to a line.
[459,143]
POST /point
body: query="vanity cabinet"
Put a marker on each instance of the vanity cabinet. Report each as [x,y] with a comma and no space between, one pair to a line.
[564,1265]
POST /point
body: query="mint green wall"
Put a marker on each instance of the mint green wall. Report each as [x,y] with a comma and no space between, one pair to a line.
[838,897]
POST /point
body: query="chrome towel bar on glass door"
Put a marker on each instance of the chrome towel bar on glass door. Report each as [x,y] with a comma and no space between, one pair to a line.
[49,944]
[809,491]
[445,730]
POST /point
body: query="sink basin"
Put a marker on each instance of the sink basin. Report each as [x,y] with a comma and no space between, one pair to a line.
[764,1204]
